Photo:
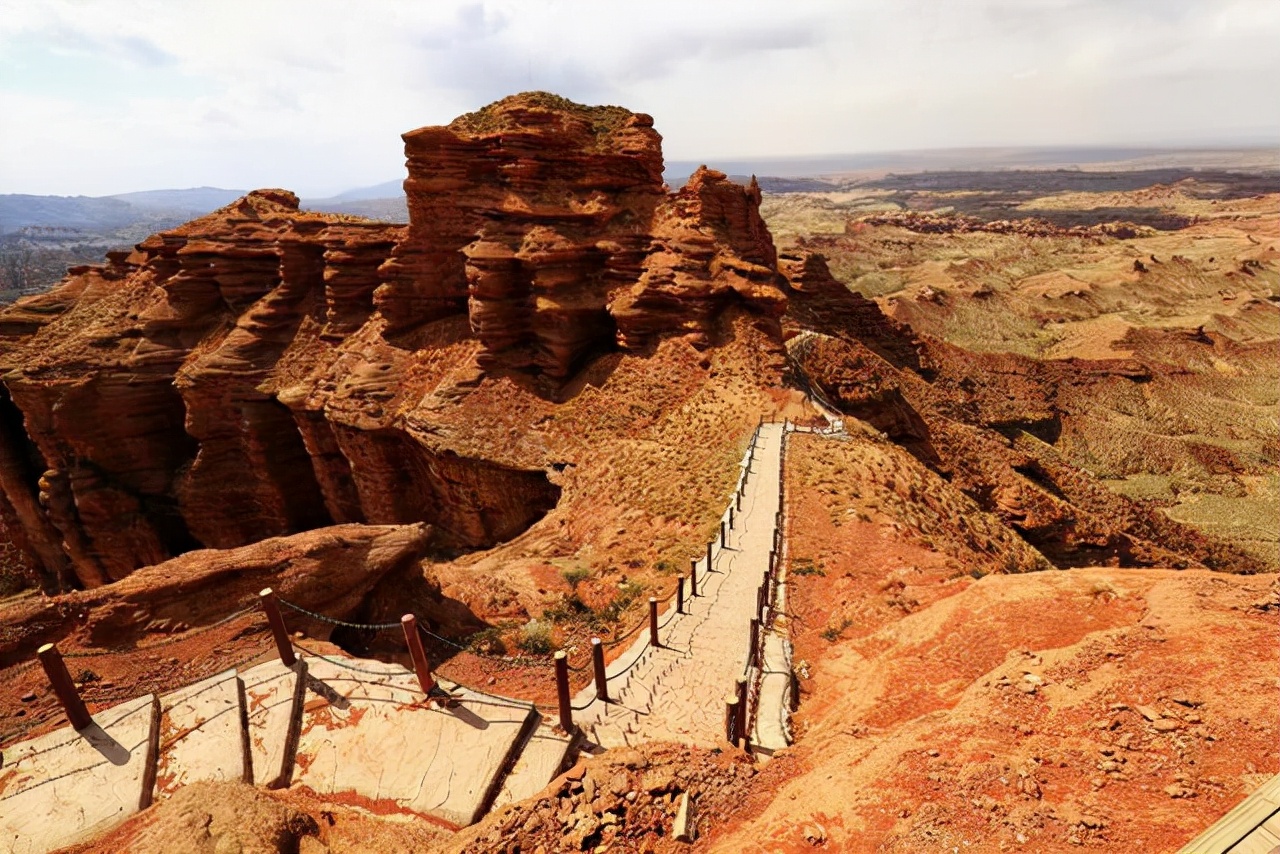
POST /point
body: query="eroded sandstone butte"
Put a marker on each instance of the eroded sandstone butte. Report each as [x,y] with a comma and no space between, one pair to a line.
[264,370]
[555,328]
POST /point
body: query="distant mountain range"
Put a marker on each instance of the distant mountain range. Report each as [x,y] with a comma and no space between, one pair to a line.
[119,217]
[41,235]
[105,216]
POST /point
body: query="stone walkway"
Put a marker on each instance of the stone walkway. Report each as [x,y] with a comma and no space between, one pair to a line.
[336,725]
[361,730]
[677,692]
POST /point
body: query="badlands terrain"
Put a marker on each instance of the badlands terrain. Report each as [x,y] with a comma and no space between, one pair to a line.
[1032,582]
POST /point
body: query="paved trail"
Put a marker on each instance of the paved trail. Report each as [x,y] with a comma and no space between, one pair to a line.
[340,725]
[677,692]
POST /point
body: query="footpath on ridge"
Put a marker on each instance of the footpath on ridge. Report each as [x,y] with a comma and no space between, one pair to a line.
[677,691]
[364,729]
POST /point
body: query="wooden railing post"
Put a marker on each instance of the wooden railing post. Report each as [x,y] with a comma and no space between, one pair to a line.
[722,534]
[284,647]
[730,717]
[653,622]
[730,515]
[693,577]
[740,722]
[417,654]
[562,691]
[597,661]
[752,654]
[680,595]
[709,544]
[63,687]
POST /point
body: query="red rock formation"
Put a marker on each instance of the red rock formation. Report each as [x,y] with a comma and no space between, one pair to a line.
[710,247]
[329,571]
[819,303]
[138,385]
[262,370]
[549,225]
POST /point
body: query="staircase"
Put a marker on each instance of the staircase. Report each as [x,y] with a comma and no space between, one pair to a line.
[336,725]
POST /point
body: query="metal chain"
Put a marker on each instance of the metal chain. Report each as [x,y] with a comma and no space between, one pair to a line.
[187,635]
[378,627]
[337,662]
[504,660]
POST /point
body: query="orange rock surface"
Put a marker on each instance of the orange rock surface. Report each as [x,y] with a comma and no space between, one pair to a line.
[528,404]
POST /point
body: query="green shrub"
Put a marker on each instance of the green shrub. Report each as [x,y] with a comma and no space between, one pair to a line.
[832,633]
[575,576]
[488,641]
[535,638]
[806,566]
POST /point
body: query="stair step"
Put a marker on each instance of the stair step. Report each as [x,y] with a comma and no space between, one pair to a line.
[543,756]
[273,697]
[373,739]
[202,734]
[67,786]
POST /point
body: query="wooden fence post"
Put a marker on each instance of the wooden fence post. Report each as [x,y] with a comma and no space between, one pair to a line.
[284,647]
[653,622]
[417,654]
[730,716]
[63,687]
[740,724]
[562,691]
[597,661]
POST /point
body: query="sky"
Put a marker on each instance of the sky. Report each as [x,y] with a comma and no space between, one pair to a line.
[108,96]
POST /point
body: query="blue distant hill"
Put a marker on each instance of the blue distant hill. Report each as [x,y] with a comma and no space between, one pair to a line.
[106,214]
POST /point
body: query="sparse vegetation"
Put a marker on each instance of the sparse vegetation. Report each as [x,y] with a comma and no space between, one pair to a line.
[535,638]
[575,576]
[806,566]
[489,641]
[833,633]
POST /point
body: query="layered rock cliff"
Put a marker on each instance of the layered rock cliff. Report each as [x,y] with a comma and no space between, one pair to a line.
[554,329]
[263,370]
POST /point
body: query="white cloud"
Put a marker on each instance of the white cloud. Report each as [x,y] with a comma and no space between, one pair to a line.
[111,95]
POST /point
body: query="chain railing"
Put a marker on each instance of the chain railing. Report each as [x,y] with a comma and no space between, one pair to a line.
[285,644]
[169,641]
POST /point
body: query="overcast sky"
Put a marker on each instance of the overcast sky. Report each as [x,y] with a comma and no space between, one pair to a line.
[104,97]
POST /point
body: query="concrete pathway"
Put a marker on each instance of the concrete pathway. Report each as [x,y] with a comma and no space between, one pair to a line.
[677,692]
[68,786]
[372,739]
[203,734]
[348,728]
[360,730]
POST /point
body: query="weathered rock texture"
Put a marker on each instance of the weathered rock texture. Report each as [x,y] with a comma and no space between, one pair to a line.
[992,424]
[330,571]
[549,225]
[263,371]
[554,327]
